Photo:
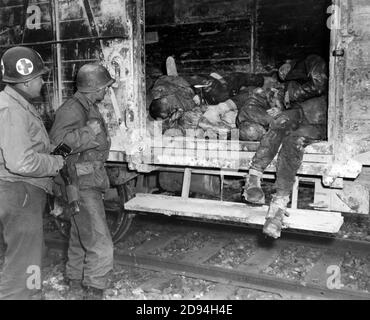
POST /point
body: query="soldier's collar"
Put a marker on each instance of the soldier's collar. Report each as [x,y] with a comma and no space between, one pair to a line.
[85,102]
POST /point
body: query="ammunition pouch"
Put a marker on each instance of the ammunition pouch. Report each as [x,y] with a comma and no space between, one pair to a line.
[92,174]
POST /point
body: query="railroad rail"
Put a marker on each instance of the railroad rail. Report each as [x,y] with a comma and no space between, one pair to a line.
[247,274]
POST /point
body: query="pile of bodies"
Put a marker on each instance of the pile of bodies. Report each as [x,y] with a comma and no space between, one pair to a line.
[291,113]
[212,103]
[204,103]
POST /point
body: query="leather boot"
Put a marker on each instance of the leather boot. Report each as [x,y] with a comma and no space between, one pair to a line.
[92,293]
[253,192]
[275,216]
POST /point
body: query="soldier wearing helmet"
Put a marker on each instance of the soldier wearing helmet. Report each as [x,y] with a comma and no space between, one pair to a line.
[79,124]
[26,169]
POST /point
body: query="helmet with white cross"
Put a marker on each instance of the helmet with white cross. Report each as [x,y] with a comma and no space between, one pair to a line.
[21,64]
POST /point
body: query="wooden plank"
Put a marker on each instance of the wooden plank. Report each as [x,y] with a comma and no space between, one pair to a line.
[360,53]
[357,127]
[358,106]
[209,249]
[262,258]
[295,194]
[186,183]
[155,244]
[240,161]
[230,211]
[200,10]
[247,156]
[360,19]
[191,142]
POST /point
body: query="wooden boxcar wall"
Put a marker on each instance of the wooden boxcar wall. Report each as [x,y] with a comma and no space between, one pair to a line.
[77,24]
[233,35]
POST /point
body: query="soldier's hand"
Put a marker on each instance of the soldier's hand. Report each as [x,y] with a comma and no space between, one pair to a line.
[61,162]
[95,126]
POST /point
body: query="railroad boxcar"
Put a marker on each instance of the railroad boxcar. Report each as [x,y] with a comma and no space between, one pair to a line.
[133,39]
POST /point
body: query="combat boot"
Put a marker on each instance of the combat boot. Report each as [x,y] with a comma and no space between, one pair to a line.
[275,216]
[253,192]
[92,293]
[75,289]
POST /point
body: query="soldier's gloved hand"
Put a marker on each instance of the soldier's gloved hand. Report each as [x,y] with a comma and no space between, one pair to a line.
[94,124]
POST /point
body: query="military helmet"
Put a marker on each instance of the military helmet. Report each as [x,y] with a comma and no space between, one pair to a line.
[93,77]
[21,64]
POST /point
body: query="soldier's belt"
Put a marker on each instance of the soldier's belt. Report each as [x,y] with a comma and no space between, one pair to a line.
[88,167]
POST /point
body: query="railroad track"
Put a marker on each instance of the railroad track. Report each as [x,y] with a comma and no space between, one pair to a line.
[166,246]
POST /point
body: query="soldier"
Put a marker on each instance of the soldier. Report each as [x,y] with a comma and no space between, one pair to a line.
[303,122]
[79,124]
[26,168]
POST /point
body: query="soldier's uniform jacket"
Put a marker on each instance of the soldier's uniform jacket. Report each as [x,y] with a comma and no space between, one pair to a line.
[24,143]
[89,151]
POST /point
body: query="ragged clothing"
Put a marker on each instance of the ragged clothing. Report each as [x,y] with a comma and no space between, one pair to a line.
[253,120]
[293,132]
[307,79]
[302,123]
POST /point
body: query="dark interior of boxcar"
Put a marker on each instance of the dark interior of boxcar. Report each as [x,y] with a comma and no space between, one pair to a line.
[204,36]
[235,35]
